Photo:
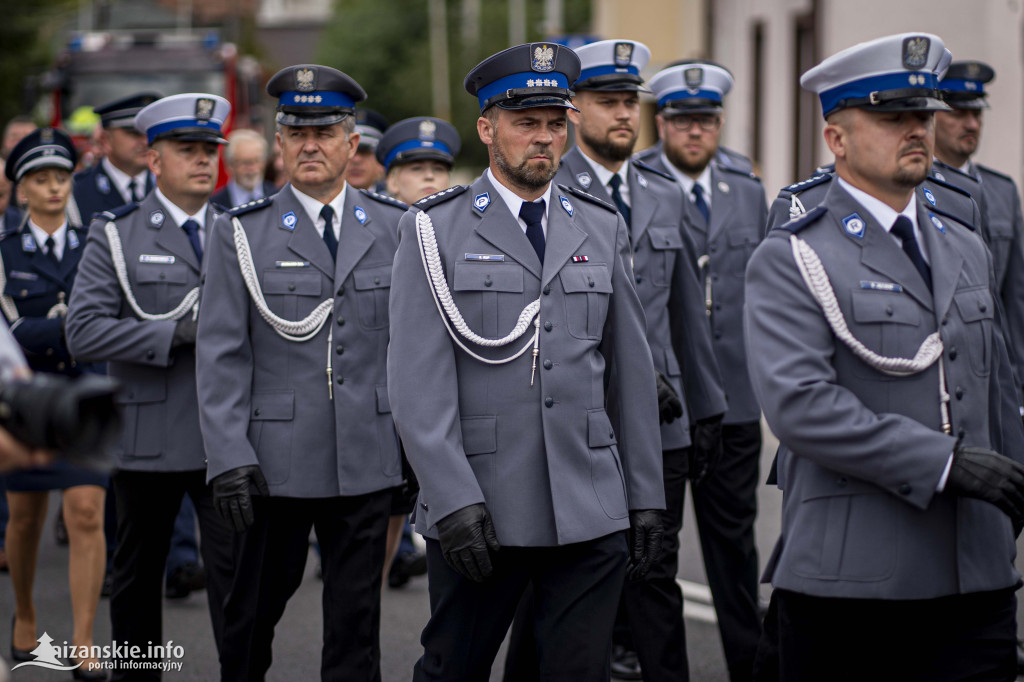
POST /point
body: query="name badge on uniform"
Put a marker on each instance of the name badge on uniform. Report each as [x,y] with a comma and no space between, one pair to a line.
[360,215]
[937,223]
[159,259]
[565,204]
[854,225]
[156,219]
[482,201]
[491,257]
[584,180]
[929,196]
[28,243]
[291,264]
[18,274]
[288,221]
[881,286]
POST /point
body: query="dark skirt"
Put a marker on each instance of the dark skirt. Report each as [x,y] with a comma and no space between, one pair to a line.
[58,476]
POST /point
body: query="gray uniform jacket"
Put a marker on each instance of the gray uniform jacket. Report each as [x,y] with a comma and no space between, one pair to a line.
[161,414]
[545,458]
[862,452]
[738,215]
[665,270]
[265,399]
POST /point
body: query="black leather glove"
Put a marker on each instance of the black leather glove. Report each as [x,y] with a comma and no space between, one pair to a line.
[184,333]
[466,536]
[989,476]
[707,447]
[645,536]
[669,406]
[232,495]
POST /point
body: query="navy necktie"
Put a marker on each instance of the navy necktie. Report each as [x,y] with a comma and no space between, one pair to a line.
[191,228]
[700,203]
[327,213]
[51,251]
[615,183]
[532,214]
[133,189]
[904,229]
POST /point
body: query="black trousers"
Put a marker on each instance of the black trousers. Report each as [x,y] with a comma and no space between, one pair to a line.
[949,639]
[147,504]
[271,559]
[576,590]
[725,506]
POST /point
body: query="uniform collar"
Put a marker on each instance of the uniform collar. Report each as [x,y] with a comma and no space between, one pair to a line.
[605,176]
[178,215]
[514,202]
[121,179]
[312,207]
[884,214]
[687,183]
[60,237]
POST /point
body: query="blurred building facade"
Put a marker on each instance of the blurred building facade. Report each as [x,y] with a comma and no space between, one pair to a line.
[767,44]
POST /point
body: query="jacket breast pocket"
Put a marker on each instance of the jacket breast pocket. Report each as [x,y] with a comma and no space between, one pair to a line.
[271,415]
[292,294]
[887,323]
[587,290]
[490,296]
[26,289]
[666,246]
[373,288]
[159,288]
[976,309]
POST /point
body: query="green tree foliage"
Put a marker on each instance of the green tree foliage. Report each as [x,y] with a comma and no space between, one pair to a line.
[26,35]
[384,45]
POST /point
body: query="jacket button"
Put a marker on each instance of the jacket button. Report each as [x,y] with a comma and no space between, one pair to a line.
[547,326]
[959,393]
[256,412]
[945,320]
[60,366]
[982,307]
[905,489]
[549,401]
[639,279]
[961,433]
[291,286]
[150,354]
[488,282]
[718,336]
[841,481]
[163,276]
[712,249]
[547,364]
[888,310]
[49,352]
[341,321]
[547,290]
[341,380]
[340,349]
[341,290]
[590,282]
[376,280]
[425,506]
[952,353]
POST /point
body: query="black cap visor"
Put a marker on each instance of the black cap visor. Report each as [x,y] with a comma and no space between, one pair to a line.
[691,105]
[297,117]
[532,98]
[963,100]
[903,99]
[423,154]
[192,135]
[612,82]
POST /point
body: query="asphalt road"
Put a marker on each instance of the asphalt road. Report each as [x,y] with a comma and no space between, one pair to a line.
[298,638]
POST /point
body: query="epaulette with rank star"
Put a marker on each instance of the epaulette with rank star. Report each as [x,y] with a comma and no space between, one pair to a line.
[812,181]
[957,219]
[442,196]
[119,212]
[801,221]
[993,171]
[945,184]
[589,197]
[737,171]
[638,163]
[385,199]
[251,206]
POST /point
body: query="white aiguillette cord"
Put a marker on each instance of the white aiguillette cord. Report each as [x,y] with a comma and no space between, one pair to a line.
[296,331]
[816,279]
[452,317]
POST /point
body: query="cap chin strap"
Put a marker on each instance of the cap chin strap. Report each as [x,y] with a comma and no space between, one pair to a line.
[816,278]
[452,317]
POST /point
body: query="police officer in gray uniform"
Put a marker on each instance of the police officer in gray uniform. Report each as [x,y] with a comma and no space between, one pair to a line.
[134,307]
[730,210]
[665,265]
[872,329]
[957,135]
[505,330]
[293,335]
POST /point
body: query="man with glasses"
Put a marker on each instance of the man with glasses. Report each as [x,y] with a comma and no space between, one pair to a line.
[729,213]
